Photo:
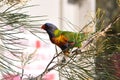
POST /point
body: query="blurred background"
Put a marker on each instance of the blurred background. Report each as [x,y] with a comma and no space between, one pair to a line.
[62,12]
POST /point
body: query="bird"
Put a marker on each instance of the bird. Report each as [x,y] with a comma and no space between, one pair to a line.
[65,40]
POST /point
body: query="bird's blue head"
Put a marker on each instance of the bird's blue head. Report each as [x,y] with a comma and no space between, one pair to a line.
[50,28]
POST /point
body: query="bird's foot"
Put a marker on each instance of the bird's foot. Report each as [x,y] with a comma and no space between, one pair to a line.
[66,53]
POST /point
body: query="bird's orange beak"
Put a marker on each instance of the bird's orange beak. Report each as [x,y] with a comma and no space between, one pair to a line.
[43,27]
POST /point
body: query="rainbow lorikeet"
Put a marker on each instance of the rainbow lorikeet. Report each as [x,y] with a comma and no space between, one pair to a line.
[63,39]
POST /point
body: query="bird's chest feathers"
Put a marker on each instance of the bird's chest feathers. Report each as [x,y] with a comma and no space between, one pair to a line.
[60,40]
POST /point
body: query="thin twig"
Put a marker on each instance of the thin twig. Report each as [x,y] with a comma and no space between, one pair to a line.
[47,69]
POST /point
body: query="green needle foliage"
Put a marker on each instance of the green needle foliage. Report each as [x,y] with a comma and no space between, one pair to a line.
[108,46]
[13,24]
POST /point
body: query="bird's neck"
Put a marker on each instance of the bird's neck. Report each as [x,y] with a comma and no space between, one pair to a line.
[57,32]
[51,33]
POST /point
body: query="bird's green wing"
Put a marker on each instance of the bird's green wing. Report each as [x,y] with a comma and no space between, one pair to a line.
[77,38]
[72,37]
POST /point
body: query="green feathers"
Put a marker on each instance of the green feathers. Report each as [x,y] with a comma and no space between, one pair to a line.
[72,37]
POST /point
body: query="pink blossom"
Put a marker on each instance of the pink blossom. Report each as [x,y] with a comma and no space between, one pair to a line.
[49,76]
[38,45]
[11,77]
